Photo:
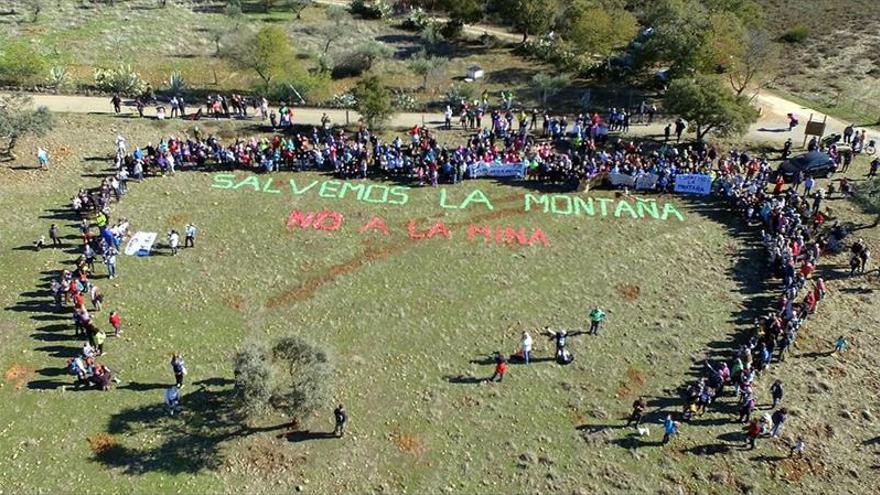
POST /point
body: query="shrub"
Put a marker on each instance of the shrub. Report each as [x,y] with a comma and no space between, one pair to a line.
[370,9]
[361,59]
[343,100]
[57,77]
[457,93]
[123,80]
[20,64]
[175,83]
[796,34]
[404,100]
[312,87]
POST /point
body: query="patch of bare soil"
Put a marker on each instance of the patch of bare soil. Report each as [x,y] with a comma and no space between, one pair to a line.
[18,375]
[629,292]
[265,457]
[407,443]
[101,443]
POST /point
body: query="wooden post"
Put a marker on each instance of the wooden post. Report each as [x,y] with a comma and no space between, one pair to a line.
[347,122]
[805,132]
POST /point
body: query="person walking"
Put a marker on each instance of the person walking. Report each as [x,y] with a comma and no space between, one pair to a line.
[190,231]
[778,418]
[776,392]
[500,368]
[179,369]
[840,344]
[526,346]
[172,400]
[638,410]
[43,158]
[341,418]
[597,316]
[752,432]
[670,429]
[116,323]
[117,103]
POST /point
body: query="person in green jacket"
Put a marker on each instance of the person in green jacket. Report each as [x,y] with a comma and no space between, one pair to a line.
[597,316]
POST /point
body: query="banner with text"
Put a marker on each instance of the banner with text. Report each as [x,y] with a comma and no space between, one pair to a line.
[693,184]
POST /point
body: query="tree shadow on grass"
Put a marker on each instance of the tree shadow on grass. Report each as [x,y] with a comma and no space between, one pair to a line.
[190,442]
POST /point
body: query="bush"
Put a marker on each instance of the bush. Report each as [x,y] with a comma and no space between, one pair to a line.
[796,34]
[361,59]
[20,64]
[123,80]
[452,29]
[57,77]
[292,376]
[312,87]
[175,83]
[370,9]
[457,93]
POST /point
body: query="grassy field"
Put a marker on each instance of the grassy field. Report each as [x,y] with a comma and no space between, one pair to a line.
[408,324]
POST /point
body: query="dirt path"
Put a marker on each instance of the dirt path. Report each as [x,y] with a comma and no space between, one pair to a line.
[772,127]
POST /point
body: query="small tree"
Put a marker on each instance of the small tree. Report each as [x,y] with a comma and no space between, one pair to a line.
[547,86]
[756,62]
[297,6]
[266,52]
[233,8]
[17,120]
[425,67]
[292,376]
[530,16]
[601,32]
[338,27]
[709,106]
[374,101]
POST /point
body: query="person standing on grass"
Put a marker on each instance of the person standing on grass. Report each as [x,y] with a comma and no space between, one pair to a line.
[110,261]
[116,323]
[776,391]
[799,447]
[500,368]
[96,296]
[179,369]
[597,316]
[99,337]
[670,429]
[638,410]
[173,241]
[840,344]
[172,400]
[752,432]
[54,237]
[43,158]
[778,418]
[190,232]
[341,417]
[526,345]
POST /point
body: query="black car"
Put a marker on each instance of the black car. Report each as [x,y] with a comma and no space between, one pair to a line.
[814,163]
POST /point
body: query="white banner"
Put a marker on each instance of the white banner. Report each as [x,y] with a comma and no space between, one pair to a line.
[693,184]
[622,180]
[493,169]
[140,244]
[647,181]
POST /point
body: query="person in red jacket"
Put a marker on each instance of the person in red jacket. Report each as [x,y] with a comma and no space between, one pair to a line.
[116,323]
[752,432]
[500,368]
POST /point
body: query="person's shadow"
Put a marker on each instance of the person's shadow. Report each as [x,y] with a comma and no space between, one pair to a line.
[305,435]
[464,379]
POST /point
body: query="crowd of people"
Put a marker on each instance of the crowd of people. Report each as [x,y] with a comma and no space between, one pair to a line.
[794,232]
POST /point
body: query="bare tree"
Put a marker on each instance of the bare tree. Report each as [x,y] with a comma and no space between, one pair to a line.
[757,61]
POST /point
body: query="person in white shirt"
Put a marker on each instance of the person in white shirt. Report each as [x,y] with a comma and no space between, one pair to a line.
[172,400]
[174,241]
[526,346]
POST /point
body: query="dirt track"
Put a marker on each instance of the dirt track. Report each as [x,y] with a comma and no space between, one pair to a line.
[771,127]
